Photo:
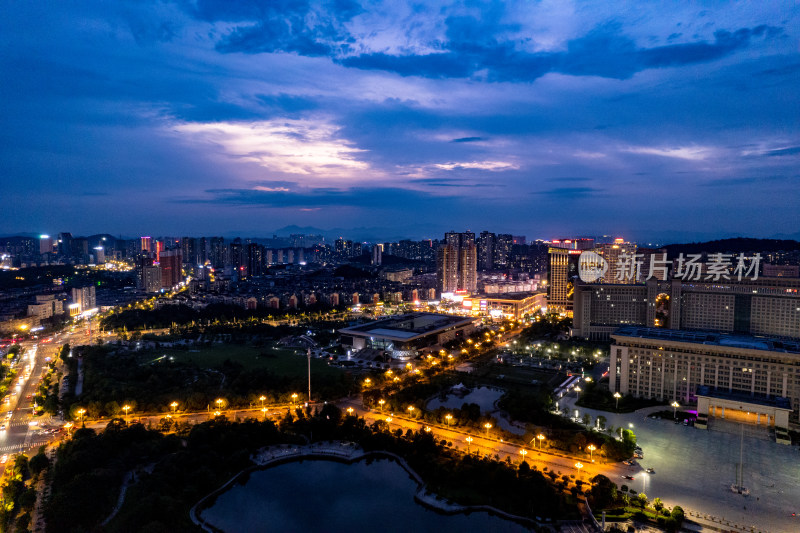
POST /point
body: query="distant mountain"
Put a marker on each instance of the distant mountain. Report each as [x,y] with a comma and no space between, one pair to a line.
[735,245]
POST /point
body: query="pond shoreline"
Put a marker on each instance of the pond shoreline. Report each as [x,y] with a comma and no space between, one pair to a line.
[348,453]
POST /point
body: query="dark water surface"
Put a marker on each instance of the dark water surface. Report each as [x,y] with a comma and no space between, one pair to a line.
[327,496]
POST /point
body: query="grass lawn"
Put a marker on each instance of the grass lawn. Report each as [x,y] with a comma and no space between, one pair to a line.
[290,363]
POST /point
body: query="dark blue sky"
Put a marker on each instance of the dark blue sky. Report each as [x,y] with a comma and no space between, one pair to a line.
[646,119]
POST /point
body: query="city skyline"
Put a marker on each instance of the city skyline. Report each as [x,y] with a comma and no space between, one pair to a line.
[652,122]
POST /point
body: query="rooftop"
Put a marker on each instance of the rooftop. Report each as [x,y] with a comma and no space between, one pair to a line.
[407,326]
[771,344]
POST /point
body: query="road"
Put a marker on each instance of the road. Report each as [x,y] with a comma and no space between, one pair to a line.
[487,445]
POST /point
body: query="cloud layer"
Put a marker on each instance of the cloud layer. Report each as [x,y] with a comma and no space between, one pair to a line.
[537,118]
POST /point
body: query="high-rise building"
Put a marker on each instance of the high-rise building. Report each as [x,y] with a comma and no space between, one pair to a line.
[170,262]
[146,244]
[502,250]
[616,255]
[486,250]
[150,278]
[255,259]
[217,252]
[45,244]
[457,263]
[84,297]
[377,256]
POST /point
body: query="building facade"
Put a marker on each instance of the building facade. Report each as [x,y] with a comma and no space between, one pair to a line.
[766,306]
[670,365]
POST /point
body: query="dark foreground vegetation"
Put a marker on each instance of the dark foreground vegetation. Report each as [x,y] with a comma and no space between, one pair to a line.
[175,470]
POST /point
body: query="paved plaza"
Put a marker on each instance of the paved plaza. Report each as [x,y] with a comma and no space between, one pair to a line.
[695,469]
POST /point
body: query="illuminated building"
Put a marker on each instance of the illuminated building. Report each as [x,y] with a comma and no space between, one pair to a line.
[766,306]
[457,263]
[84,297]
[486,250]
[509,305]
[562,271]
[146,244]
[401,337]
[45,244]
[170,263]
[740,378]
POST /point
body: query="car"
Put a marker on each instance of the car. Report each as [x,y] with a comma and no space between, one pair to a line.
[627,463]
[629,478]
[685,422]
[650,471]
[2,427]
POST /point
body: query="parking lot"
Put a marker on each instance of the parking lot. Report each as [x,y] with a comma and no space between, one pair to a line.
[695,469]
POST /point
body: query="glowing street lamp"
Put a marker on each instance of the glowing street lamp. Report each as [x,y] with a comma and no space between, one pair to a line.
[411,410]
[675,406]
[541,438]
[488,426]
[174,406]
[448,417]
[381,402]
[579,466]
[81,412]
[264,410]
[469,440]
[219,402]
[350,411]
[126,408]
[617,396]
[261,399]
[523,453]
[367,382]
[294,398]
[577,391]
[591,449]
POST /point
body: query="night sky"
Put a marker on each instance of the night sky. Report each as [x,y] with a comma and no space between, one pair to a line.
[651,120]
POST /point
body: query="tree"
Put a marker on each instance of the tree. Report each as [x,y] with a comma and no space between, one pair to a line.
[642,499]
[601,422]
[658,504]
[587,419]
[39,462]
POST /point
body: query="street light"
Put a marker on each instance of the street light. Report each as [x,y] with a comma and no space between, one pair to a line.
[410,410]
[294,398]
[367,382]
[523,453]
[126,408]
[174,406]
[617,396]
[468,439]
[264,410]
[675,406]
[488,426]
[591,449]
[381,402]
[579,466]
[219,402]
[448,417]
[350,411]
[541,438]
[262,398]
[82,412]
[577,391]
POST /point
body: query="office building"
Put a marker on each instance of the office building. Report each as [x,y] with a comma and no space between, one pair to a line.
[742,378]
[766,306]
[502,250]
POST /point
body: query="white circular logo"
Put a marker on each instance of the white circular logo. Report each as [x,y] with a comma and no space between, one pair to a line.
[591,266]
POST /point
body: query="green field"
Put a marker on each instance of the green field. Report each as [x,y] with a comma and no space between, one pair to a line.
[291,363]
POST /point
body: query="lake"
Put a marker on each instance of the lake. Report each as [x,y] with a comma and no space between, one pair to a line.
[319,495]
